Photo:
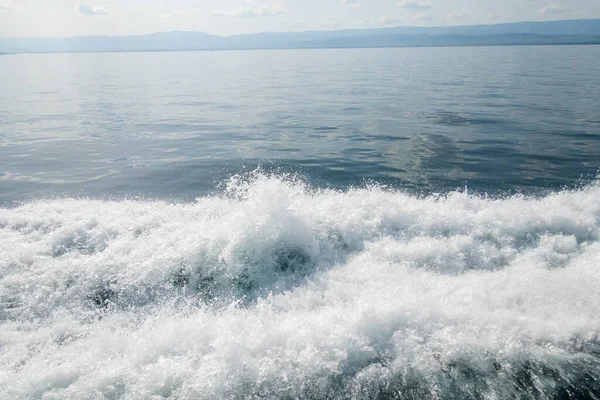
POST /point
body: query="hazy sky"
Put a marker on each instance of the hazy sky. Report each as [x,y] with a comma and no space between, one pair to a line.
[227,17]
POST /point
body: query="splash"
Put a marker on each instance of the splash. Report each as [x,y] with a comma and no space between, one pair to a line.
[274,289]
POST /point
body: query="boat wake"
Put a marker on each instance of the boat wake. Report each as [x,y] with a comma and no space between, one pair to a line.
[274,289]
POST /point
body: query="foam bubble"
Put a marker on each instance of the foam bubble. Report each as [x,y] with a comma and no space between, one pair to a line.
[278,290]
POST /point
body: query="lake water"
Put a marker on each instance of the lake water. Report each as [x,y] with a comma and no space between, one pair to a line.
[173,125]
[362,223]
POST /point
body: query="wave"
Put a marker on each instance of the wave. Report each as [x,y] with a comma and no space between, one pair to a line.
[274,289]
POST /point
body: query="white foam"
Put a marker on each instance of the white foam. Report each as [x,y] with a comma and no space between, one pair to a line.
[275,289]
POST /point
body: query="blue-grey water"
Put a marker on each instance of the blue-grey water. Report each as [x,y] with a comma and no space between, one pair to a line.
[172,125]
[327,224]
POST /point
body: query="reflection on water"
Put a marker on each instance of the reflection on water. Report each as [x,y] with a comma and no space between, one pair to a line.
[172,125]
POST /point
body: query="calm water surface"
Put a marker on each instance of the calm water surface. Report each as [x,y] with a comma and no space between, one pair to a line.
[172,125]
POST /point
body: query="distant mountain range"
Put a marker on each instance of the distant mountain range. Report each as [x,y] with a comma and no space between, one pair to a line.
[520,33]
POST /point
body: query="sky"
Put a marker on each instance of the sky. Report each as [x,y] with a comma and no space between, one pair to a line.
[63,18]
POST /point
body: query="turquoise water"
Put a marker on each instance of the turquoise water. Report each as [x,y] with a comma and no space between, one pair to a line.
[347,224]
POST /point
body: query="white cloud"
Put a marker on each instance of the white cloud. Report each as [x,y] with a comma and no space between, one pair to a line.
[240,12]
[6,8]
[353,3]
[269,12]
[554,9]
[415,5]
[182,13]
[251,9]
[86,9]
[247,12]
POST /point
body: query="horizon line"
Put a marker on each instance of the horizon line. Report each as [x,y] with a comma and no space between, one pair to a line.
[305,31]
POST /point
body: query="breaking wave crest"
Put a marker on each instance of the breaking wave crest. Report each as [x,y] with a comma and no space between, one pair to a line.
[274,289]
